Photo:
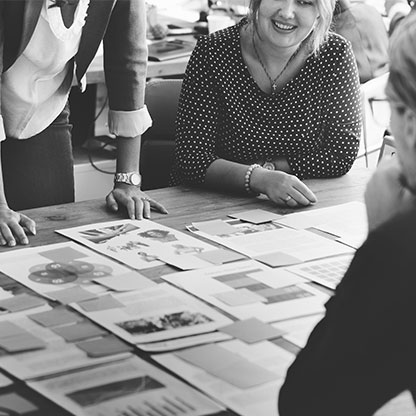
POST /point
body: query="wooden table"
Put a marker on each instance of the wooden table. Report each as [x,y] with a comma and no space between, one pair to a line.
[187,204]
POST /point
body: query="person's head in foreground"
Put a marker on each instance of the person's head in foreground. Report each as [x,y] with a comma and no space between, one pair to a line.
[401,91]
[362,353]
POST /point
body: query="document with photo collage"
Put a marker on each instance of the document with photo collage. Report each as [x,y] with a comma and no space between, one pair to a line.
[141,244]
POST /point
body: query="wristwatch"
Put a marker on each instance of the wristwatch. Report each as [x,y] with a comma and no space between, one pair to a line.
[269,165]
[131,178]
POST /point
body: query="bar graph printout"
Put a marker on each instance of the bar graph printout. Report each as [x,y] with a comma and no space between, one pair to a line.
[244,377]
[130,387]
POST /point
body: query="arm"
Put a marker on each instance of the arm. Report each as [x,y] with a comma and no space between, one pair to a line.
[196,128]
[341,118]
[125,63]
[11,222]
[362,353]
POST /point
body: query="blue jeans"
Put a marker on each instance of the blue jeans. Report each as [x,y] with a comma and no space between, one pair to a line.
[39,171]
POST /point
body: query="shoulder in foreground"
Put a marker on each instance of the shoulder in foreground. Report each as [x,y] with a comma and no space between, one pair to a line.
[400,229]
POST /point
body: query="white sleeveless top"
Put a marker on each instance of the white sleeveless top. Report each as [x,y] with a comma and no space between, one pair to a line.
[36,88]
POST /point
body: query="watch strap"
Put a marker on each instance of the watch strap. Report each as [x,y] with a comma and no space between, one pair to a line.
[130,178]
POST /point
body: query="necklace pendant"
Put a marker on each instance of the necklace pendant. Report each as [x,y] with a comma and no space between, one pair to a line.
[274,88]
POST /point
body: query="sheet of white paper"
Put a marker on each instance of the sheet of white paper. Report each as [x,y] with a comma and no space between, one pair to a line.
[282,302]
[327,272]
[157,314]
[59,266]
[141,244]
[257,400]
[298,330]
[178,343]
[4,381]
[126,282]
[127,387]
[255,240]
[346,221]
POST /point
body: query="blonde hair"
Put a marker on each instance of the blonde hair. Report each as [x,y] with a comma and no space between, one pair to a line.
[319,33]
[401,86]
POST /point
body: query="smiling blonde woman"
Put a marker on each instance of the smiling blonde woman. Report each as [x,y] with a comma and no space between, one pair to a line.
[269,102]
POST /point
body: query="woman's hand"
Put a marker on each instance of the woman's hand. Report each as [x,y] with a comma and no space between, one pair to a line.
[13,225]
[137,203]
[281,188]
[385,195]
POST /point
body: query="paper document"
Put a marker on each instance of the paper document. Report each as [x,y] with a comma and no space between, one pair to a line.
[156,314]
[54,356]
[141,244]
[348,222]
[249,289]
[327,272]
[63,271]
[128,388]
[274,244]
[244,377]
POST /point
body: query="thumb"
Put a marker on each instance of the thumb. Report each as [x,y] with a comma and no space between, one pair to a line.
[111,202]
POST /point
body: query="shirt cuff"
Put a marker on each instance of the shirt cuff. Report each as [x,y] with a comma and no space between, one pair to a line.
[129,123]
[2,132]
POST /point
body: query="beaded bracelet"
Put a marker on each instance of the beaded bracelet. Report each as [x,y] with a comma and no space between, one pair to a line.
[247,177]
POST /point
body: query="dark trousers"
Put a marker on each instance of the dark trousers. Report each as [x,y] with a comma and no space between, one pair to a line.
[40,171]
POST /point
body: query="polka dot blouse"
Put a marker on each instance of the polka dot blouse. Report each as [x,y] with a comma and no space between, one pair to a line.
[314,121]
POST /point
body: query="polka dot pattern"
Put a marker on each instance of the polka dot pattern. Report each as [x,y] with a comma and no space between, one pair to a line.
[314,121]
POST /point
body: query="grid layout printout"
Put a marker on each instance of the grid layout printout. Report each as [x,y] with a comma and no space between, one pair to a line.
[58,269]
[327,272]
[271,243]
[141,244]
[248,289]
[34,350]
[130,387]
[154,314]
[244,377]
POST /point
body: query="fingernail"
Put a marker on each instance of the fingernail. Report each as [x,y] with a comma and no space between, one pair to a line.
[12,243]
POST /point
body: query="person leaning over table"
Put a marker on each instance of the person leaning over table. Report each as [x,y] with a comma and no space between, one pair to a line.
[43,45]
[269,102]
[362,353]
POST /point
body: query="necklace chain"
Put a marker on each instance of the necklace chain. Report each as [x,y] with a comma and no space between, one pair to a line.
[273,81]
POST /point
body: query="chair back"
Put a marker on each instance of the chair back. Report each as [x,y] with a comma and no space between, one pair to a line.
[158,142]
[376,114]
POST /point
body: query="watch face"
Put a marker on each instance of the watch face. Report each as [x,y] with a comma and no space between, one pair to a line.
[135,179]
[269,166]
